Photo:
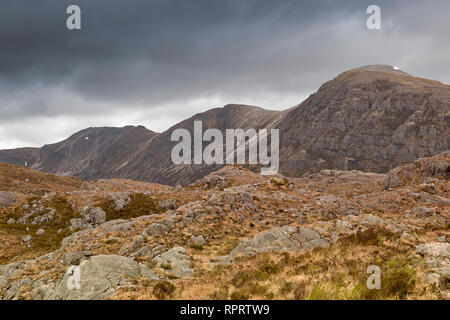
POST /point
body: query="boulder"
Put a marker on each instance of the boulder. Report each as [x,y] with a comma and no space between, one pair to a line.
[416,172]
[198,240]
[286,238]
[178,260]
[157,229]
[136,244]
[26,239]
[121,200]
[76,224]
[97,278]
[168,205]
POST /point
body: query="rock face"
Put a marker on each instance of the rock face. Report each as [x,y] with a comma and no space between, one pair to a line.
[372,118]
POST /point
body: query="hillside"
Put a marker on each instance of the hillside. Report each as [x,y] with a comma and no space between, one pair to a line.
[19,179]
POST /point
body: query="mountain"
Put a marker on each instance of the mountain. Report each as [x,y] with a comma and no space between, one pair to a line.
[158,167]
[89,154]
[372,118]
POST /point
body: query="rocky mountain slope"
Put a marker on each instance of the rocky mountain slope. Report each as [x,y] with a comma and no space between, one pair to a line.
[232,234]
[89,154]
[372,118]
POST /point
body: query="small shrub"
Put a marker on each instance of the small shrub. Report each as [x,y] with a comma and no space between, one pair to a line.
[239,295]
[300,290]
[285,288]
[255,289]
[220,294]
[399,282]
[318,293]
[372,236]
[166,266]
[266,269]
[198,247]
[241,278]
[163,289]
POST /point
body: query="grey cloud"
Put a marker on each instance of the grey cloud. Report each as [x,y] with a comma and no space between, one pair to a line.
[141,55]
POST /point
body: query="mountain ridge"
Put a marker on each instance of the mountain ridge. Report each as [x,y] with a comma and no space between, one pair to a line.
[370,118]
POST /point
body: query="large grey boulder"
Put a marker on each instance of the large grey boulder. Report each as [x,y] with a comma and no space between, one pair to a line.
[286,238]
[157,229]
[98,277]
[432,167]
[198,240]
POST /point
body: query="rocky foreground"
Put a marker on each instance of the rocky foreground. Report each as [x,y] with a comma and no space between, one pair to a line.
[233,234]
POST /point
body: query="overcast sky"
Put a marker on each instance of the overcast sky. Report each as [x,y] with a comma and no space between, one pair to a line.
[156,62]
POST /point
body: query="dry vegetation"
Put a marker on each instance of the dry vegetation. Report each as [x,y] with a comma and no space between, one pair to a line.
[334,272]
[337,272]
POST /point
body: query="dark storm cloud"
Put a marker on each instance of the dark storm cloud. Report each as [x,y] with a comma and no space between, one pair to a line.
[127,47]
[142,55]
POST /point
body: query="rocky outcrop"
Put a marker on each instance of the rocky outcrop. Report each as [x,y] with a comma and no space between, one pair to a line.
[433,167]
[93,216]
[176,262]
[6,199]
[437,256]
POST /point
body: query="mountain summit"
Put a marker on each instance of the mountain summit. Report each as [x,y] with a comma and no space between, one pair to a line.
[371,118]
[382,68]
